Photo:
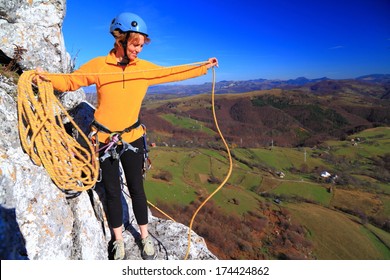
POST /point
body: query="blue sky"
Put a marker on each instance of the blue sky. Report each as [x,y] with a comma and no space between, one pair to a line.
[278,39]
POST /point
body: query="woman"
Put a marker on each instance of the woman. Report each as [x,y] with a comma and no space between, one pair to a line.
[122,79]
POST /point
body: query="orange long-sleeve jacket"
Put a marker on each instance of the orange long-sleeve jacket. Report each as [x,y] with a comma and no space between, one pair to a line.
[120,90]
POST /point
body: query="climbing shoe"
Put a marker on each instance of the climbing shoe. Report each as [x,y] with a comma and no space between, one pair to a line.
[119,248]
[147,248]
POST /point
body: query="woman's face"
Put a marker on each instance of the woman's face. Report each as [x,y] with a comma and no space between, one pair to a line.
[134,47]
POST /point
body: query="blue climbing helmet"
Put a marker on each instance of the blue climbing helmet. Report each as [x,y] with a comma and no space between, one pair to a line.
[129,22]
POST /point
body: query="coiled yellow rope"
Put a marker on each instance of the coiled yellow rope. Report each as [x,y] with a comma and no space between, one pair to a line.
[45,140]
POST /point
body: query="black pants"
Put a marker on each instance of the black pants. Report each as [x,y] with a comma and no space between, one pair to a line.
[132,164]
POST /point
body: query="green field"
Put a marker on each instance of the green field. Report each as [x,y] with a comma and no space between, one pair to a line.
[336,237]
[307,191]
[188,123]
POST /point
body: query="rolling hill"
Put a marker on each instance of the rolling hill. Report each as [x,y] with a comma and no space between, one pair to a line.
[300,116]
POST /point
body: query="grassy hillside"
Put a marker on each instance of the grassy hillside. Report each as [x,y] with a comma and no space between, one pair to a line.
[260,214]
[336,236]
[289,117]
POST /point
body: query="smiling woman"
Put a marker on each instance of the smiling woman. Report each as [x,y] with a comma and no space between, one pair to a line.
[122,80]
[128,43]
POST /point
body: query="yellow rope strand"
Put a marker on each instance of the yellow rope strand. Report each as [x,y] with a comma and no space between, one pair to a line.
[131,72]
[161,211]
[226,178]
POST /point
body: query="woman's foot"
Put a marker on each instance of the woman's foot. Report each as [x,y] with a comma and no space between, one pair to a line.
[119,248]
[148,252]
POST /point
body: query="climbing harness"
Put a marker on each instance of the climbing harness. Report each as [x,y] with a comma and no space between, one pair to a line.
[115,141]
[72,166]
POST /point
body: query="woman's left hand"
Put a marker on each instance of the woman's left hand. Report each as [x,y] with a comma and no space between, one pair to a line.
[212,62]
[39,74]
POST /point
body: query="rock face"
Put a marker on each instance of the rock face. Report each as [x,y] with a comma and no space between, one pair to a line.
[35,25]
[38,221]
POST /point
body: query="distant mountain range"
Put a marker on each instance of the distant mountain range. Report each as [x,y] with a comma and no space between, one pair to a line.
[253,85]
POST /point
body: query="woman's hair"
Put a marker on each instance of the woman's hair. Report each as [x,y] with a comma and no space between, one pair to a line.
[133,37]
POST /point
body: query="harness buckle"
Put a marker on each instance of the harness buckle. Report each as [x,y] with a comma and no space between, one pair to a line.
[114,153]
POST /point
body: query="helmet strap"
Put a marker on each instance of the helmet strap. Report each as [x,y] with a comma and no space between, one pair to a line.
[125,59]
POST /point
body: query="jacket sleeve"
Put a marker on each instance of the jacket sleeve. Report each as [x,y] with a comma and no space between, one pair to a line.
[73,81]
